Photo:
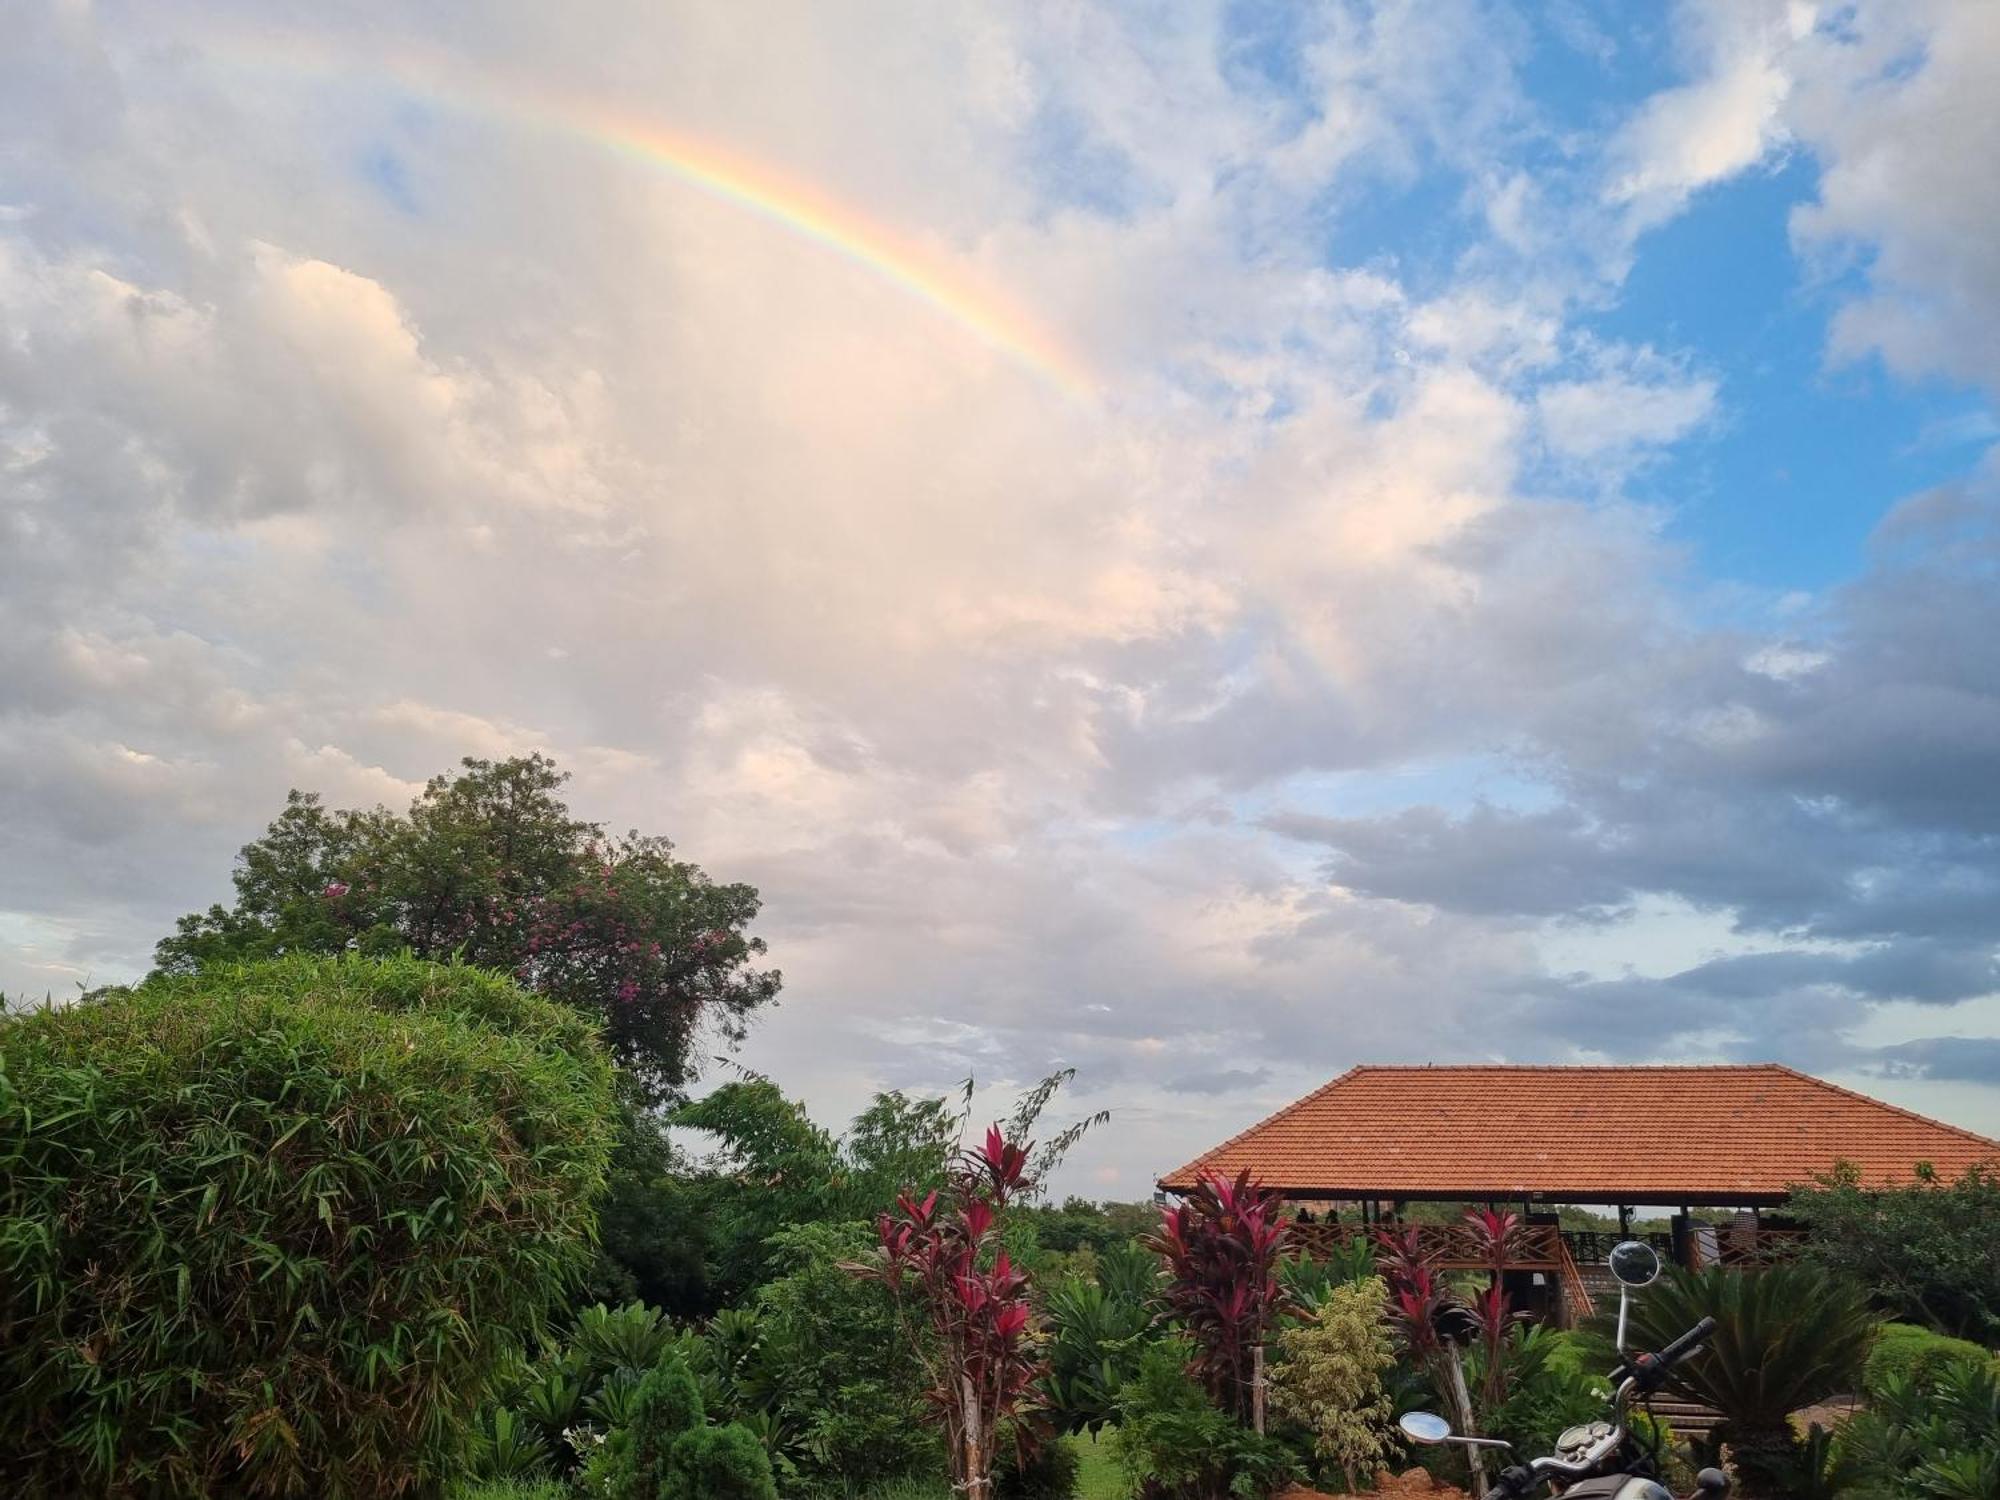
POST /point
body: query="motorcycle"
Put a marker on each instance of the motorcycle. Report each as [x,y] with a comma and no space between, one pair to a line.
[1599,1460]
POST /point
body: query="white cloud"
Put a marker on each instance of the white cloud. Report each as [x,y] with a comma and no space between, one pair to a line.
[309,481]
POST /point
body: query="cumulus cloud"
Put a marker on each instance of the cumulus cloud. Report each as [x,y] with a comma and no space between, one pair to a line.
[1263,710]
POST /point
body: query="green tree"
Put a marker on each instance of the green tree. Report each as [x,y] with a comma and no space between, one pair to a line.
[1925,1250]
[489,866]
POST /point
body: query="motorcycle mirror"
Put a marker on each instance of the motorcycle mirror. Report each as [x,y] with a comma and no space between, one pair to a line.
[1634,1263]
[1424,1427]
[1711,1483]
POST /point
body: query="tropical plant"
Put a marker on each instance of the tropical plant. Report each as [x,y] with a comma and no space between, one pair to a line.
[963,1305]
[1937,1438]
[1497,1235]
[1785,1337]
[504,1446]
[276,1228]
[1328,1378]
[1222,1246]
[489,866]
[1095,1340]
[1924,1250]
[1546,1390]
[1422,1309]
[1128,1271]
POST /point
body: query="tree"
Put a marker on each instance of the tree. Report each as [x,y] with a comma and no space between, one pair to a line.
[489,866]
[1925,1251]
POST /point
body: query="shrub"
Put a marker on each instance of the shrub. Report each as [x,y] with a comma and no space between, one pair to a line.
[846,1393]
[1176,1445]
[273,1229]
[720,1463]
[667,1449]
[1905,1351]
[509,1489]
[1048,1471]
[1328,1378]
[1934,1440]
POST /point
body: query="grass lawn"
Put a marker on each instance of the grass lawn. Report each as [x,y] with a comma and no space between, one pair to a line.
[1099,1477]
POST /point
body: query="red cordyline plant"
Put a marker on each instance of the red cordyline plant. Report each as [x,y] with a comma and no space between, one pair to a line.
[964,1310]
[1222,1244]
[1433,1319]
[1497,1234]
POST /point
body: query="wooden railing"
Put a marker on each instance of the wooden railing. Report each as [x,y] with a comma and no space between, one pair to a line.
[1456,1246]
[1575,1294]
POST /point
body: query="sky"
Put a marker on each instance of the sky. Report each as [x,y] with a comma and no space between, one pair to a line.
[1201,543]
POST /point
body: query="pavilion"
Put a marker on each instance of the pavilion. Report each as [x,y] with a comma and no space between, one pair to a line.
[1378,1138]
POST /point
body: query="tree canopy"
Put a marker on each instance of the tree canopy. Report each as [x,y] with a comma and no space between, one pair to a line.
[489,866]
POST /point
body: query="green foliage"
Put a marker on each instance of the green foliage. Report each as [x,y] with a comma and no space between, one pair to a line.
[719,1463]
[275,1228]
[1328,1378]
[1934,1438]
[489,866]
[843,1389]
[1308,1278]
[1049,1471]
[509,1489]
[504,1446]
[1176,1445]
[1096,1339]
[1548,1388]
[1925,1251]
[1785,1338]
[633,1463]
[654,1236]
[1907,1352]
[1127,1269]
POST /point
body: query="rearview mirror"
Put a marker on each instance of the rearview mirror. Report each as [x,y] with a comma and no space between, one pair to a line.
[1424,1427]
[1635,1263]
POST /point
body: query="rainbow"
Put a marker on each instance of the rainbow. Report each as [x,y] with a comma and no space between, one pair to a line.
[940,281]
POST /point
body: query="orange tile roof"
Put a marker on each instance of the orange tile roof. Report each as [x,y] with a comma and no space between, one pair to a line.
[1583,1134]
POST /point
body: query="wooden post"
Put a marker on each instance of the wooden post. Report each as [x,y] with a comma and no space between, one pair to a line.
[978,1479]
[1462,1398]
[1257,1389]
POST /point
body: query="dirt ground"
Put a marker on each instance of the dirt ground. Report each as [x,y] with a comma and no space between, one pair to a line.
[1411,1482]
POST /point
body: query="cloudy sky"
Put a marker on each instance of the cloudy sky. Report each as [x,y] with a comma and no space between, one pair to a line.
[1202,543]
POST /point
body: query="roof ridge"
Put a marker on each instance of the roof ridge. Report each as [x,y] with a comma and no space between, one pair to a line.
[1909,1114]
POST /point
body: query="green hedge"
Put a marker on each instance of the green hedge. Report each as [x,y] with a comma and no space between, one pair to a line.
[270,1230]
[1905,1351]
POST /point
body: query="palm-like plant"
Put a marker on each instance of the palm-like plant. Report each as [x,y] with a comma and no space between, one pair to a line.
[1784,1338]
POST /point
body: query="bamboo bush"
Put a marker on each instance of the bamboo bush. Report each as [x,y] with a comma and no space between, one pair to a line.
[271,1230]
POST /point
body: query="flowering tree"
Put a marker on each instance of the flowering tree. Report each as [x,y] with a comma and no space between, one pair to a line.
[963,1304]
[489,866]
[1222,1244]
